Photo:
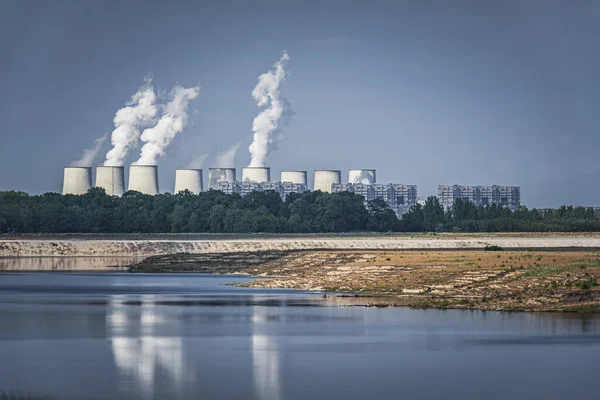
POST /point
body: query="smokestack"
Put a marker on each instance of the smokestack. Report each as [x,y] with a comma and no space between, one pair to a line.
[364,176]
[188,179]
[111,179]
[216,175]
[77,180]
[256,174]
[299,177]
[325,178]
[144,179]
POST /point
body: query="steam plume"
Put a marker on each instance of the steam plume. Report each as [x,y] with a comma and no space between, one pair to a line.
[197,162]
[89,155]
[226,159]
[277,113]
[173,121]
[140,112]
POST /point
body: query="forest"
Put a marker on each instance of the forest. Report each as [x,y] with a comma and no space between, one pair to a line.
[309,212]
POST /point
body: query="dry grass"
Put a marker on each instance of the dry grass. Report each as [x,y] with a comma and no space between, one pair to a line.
[503,280]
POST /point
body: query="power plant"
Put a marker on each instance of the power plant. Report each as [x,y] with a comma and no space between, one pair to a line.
[77,180]
[218,175]
[256,174]
[111,179]
[362,176]
[363,182]
[297,177]
[324,178]
[144,179]
[188,179]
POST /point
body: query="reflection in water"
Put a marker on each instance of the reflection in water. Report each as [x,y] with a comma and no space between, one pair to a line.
[140,354]
[265,357]
[65,264]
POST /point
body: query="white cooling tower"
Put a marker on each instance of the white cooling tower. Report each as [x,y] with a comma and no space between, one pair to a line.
[364,176]
[299,177]
[325,178]
[256,174]
[216,175]
[77,180]
[111,179]
[144,179]
[188,179]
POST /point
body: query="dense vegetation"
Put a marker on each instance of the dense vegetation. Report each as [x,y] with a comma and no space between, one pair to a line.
[214,211]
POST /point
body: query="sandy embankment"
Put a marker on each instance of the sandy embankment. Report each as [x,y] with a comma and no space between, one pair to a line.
[82,247]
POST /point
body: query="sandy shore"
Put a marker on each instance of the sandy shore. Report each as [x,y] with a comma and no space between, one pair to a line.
[102,246]
[509,280]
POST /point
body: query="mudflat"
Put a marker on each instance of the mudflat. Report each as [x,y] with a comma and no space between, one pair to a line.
[514,280]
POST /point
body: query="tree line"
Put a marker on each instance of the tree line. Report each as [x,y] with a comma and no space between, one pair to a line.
[309,212]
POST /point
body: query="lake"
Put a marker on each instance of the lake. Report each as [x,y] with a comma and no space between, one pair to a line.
[175,336]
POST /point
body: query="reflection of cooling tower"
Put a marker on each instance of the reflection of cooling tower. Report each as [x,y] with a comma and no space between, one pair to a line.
[188,179]
[77,180]
[256,174]
[325,178]
[144,179]
[299,177]
[364,176]
[216,175]
[111,179]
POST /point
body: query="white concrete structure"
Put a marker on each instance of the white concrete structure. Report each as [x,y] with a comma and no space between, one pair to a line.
[144,179]
[188,179]
[325,178]
[216,175]
[111,179]
[299,177]
[363,176]
[256,174]
[77,180]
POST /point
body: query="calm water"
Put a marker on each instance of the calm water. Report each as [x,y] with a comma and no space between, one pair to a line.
[122,336]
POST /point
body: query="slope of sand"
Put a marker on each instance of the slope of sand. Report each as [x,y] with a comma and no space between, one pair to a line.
[85,247]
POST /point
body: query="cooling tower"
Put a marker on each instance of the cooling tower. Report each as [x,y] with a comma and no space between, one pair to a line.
[77,180]
[364,176]
[216,175]
[188,179]
[325,178]
[144,179]
[299,177]
[111,179]
[256,174]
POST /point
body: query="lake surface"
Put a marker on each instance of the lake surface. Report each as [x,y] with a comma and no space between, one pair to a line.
[126,336]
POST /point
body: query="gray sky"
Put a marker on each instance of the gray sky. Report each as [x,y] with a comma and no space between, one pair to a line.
[426,92]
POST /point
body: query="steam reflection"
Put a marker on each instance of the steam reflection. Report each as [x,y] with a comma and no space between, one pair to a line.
[139,352]
[265,357]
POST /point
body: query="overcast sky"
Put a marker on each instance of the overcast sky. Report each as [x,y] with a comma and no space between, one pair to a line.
[427,92]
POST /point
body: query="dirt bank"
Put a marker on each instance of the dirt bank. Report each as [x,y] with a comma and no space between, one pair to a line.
[124,245]
[475,279]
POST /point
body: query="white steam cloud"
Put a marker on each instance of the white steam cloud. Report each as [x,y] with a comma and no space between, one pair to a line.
[89,155]
[173,121]
[226,159]
[197,162]
[269,121]
[139,113]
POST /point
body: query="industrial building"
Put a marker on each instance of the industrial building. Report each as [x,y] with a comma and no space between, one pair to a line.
[77,180]
[111,179]
[188,179]
[144,179]
[218,175]
[399,197]
[505,196]
[243,188]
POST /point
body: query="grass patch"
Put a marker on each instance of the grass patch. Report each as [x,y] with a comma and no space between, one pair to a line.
[544,271]
[591,308]
[430,303]
[493,248]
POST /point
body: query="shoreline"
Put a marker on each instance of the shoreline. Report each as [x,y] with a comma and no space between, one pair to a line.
[509,280]
[152,245]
